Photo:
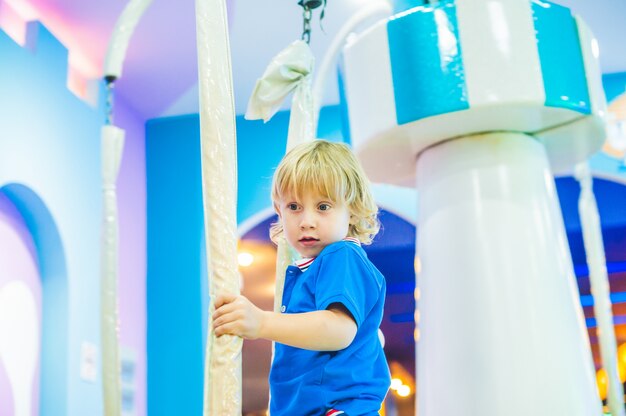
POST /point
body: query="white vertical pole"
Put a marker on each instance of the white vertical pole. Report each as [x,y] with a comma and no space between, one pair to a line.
[123,31]
[112,147]
[599,280]
[222,393]
[501,326]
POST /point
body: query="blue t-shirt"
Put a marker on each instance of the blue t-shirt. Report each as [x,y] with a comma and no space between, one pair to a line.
[355,379]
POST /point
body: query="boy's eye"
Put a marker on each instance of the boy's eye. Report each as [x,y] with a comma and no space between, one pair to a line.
[292,206]
[324,207]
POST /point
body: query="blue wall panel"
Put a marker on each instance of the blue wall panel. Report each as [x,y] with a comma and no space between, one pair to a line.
[614,85]
[175,231]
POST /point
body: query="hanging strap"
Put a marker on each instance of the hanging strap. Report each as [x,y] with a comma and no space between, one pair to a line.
[598,277]
[289,71]
[112,143]
[222,386]
[124,29]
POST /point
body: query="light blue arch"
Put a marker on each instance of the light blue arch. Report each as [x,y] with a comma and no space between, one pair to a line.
[54,313]
[50,144]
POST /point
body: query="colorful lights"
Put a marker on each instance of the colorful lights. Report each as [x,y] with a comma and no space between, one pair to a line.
[395,383]
[602,380]
[401,389]
[402,383]
[404,391]
[245,259]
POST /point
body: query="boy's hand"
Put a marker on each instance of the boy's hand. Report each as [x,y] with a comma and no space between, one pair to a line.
[236,315]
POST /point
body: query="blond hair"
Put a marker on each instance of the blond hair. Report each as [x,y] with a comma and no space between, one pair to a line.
[331,170]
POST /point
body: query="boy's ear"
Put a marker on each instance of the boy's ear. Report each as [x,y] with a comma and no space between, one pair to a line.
[277,210]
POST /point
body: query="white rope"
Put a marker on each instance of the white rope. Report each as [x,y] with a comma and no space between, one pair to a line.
[112,147]
[112,142]
[122,33]
[598,277]
[289,71]
[222,389]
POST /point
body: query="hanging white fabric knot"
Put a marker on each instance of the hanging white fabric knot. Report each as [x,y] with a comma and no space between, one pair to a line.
[290,70]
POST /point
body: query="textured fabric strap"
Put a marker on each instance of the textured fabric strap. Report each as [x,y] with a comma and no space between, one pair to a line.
[112,147]
[223,386]
[289,71]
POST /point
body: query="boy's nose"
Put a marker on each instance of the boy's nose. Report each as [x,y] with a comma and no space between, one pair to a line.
[307,221]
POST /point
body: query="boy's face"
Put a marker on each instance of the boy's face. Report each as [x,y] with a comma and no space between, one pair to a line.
[313,222]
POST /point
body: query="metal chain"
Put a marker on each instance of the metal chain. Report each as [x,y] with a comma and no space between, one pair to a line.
[307,13]
[109,103]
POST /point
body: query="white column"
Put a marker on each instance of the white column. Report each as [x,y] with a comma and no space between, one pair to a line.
[501,326]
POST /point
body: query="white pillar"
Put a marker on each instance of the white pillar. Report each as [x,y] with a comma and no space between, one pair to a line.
[501,326]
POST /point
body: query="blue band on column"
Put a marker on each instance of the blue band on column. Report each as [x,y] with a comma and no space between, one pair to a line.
[428,74]
[403,5]
[561,58]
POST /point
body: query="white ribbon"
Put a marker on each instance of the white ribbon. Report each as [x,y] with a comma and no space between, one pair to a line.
[124,29]
[598,277]
[112,147]
[289,71]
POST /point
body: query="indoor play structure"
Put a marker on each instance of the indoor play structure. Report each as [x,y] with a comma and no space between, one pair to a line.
[464,101]
[427,107]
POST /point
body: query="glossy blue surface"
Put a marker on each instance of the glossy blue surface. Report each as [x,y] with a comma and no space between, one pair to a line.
[402,5]
[426,63]
[175,227]
[561,58]
[614,85]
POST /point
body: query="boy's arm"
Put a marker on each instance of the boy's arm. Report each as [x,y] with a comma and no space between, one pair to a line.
[332,329]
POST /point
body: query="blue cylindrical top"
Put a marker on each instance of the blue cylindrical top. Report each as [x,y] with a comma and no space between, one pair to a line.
[402,5]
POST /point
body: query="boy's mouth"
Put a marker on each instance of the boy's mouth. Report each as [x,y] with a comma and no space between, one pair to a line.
[308,240]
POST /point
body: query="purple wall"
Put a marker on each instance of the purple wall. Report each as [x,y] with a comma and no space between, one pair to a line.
[131,188]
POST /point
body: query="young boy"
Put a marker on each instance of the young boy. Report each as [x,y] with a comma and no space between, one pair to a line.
[328,359]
